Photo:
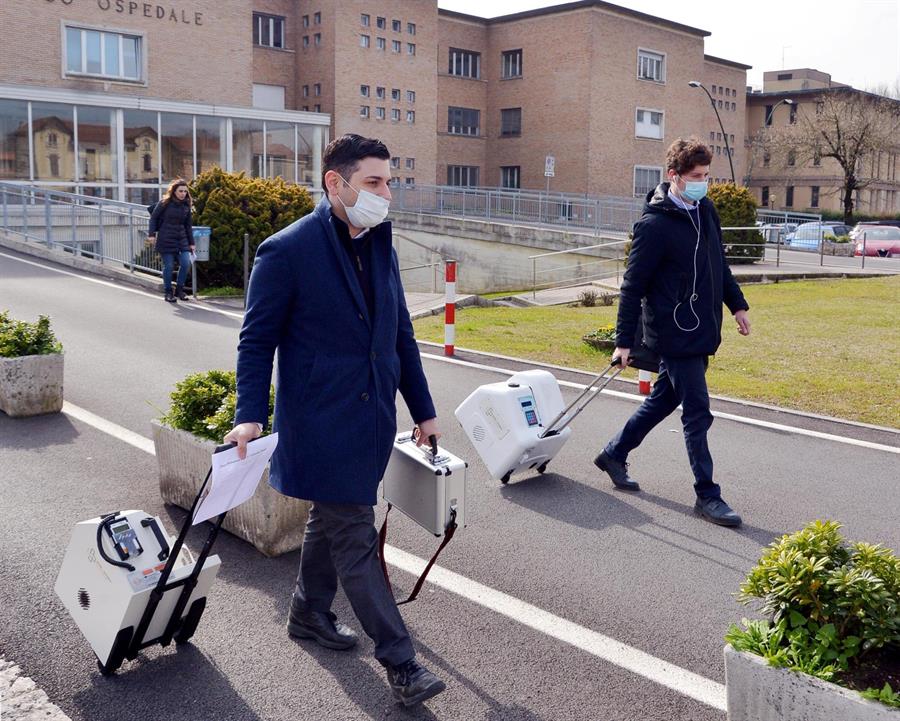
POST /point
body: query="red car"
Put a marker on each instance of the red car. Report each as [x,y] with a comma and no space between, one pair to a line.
[880,241]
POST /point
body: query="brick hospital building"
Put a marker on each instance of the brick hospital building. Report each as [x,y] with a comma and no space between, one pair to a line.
[117,97]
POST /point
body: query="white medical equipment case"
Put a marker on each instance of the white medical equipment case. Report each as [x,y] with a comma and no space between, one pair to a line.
[128,585]
[427,483]
[521,423]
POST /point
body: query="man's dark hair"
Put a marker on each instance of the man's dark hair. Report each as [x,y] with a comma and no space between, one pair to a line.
[344,153]
[684,155]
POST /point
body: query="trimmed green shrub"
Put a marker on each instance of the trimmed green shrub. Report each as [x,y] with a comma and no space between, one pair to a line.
[204,404]
[20,338]
[232,204]
[828,603]
[736,207]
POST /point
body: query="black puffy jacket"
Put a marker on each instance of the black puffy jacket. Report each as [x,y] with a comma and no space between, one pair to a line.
[171,224]
[661,270]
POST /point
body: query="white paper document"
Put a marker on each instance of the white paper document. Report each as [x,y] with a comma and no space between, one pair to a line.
[234,480]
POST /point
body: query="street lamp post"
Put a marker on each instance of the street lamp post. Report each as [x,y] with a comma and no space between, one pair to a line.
[698,84]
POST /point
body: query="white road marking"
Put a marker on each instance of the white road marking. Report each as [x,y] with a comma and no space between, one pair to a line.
[619,654]
[718,414]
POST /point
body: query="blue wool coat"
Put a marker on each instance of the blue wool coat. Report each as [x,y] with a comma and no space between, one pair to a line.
[339,369]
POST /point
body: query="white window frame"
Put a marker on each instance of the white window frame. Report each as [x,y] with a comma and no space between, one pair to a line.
[464,172]
[509,173]
[274,21]
[468,63]
[657,168]
[364,112]
[120,34]
[380,44]
[410,96]
[364,41]
[517,65]
[662,123]
[662,65]
[379,113]
[395,115]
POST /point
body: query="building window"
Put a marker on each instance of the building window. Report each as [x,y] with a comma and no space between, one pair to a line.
[651,66]
[648,123]
[268,30]
[410,181]
[410,96]
[306,91]
[769,115]
[317,39]
[764,197]
[379,93]
[509,176]
[410,116]
[379,113]
[792,158]
[381,43]
[411,28]
[462,175]
[364,41]
[511,64]
[317,18]
[395,94]
[465,63]
[814,197]
[148,163]
[396,26]
[317,108]
[395,162]
[767,158]
[712,136]
[365,20]
[395,46]
[510,122]
[793,116]
[306,41]
[317,89]
[306,21]
[306,108]
[731,139]
[817,156]
[395,114]
[410,48]
[364,90]
[103,54]
[381,23]
[463,121]
[410,163]
[720,103]
[713,89]
[789,196]
[364,111]
[646,179]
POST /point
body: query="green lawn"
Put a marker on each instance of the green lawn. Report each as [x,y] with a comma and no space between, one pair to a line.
[830,347]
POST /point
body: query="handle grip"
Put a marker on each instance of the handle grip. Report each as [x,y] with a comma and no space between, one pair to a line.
[160,537]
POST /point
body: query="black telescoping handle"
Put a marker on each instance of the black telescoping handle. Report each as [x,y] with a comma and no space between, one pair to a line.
[551,427]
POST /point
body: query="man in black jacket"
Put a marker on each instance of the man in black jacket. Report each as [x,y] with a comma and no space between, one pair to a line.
[677,266]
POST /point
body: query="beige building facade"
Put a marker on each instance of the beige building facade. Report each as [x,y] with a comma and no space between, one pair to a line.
[810,184]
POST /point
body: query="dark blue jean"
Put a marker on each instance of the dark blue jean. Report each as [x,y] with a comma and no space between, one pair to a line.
[680,380]
[184,265]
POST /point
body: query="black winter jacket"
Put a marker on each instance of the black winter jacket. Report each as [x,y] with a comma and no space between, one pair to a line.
[661,271]
[171,224]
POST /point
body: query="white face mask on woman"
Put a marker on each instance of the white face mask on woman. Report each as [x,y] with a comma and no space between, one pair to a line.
[368,211]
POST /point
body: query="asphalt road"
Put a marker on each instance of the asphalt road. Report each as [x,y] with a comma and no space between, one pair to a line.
[571,566]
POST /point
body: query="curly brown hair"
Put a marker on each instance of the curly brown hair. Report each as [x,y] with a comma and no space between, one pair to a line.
[684,155]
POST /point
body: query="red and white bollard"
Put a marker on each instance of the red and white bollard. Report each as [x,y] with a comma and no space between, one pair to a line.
[644,382]
[449,307]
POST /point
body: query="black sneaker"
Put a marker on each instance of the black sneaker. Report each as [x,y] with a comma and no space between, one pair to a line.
[182,295]
[715,510]
[323,628]
[617,471]
[412,683]
[170,298]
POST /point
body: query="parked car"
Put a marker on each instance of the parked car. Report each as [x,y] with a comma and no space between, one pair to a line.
[775,232]
[883,241]
[859,227]
[811,235]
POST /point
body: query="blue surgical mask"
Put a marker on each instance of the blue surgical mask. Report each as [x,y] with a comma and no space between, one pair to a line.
[695,189]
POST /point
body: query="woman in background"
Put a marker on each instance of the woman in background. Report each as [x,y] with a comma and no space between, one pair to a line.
[170,227]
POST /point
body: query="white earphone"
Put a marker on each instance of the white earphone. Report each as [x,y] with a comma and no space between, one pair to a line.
[693,297]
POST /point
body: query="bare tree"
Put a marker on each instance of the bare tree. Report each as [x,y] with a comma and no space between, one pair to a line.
[850,126]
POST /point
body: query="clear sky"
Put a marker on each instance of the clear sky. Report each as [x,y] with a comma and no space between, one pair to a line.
[856,41]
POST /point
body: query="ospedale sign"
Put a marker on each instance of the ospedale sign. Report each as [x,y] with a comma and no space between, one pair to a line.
[154,11]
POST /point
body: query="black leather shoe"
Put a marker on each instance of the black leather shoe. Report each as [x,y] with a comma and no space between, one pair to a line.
[412,683]
[323,628]
[717,511]
[170,298]
[181,295]
[617,471]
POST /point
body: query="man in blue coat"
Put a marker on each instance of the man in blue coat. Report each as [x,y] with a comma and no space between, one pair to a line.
[678,271]
[325,293]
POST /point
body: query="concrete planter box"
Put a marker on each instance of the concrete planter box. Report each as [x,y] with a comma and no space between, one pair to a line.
[840,249]
[756,691]
[31,385]
[272,522]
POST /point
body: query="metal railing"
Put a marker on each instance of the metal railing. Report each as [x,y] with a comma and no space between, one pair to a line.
[522,207]
[107,231]
[584,270]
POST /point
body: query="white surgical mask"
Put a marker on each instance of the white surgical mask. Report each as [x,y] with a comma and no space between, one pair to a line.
[368,211]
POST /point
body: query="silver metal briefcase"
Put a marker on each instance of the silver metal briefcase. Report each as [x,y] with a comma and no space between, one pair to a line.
[428,487]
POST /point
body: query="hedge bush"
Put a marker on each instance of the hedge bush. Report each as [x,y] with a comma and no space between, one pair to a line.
[232,204]
[20,338]
[736,207]
[204,404]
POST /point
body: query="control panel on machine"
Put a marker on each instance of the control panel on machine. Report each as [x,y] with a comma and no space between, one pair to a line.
[529,409]
[124,539]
